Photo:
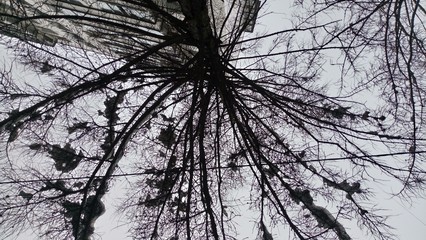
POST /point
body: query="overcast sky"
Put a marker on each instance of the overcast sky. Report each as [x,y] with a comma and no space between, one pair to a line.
[407,217]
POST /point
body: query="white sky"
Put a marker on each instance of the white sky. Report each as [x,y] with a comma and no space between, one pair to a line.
[407,217]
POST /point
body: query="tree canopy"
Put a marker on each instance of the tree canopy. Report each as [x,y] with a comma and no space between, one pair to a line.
[187,101]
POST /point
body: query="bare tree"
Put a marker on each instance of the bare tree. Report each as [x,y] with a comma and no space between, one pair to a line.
[178,99]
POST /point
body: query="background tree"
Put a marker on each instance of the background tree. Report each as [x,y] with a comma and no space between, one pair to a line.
[192,107]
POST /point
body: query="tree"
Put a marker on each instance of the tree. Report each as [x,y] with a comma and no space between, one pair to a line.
[195,107]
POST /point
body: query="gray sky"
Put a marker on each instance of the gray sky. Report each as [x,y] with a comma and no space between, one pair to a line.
[407,217]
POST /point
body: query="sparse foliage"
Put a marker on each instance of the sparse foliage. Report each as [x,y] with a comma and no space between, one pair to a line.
[179,101]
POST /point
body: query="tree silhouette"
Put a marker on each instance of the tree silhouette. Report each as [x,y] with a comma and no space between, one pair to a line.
[179,99]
